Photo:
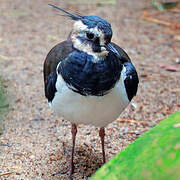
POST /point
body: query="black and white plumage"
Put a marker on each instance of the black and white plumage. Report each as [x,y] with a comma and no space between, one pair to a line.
[89,79]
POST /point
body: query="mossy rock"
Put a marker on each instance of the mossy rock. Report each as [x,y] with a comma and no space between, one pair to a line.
[153,156]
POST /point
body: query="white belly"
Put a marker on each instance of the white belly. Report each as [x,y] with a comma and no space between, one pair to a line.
[95,110]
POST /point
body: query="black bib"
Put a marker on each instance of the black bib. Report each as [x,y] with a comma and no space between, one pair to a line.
[87,76]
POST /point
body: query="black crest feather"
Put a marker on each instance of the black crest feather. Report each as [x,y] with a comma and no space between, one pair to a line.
[68,14]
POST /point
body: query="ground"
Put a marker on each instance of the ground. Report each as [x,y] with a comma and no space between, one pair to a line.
[36,143]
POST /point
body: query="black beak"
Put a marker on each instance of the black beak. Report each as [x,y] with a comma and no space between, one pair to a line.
[111,48]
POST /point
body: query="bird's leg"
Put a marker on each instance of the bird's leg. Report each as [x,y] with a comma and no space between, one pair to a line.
[74,132]
[102,134]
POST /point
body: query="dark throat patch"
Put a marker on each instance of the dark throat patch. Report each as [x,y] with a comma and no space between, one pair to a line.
[86,77]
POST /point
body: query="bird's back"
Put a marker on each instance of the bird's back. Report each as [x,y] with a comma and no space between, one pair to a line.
[58,53]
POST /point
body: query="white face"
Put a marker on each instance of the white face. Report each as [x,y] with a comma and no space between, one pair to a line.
[88,35]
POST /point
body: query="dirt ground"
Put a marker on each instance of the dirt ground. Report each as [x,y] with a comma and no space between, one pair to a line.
[36,143]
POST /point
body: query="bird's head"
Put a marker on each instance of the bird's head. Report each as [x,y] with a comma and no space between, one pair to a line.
[90,34]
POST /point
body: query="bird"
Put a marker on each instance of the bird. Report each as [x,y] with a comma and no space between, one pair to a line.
[87,78]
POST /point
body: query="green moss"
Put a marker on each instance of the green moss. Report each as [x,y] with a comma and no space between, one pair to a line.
[155,155]
[3,105]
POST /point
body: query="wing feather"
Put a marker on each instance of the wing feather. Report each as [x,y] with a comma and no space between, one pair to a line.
[56,54]
[123,54]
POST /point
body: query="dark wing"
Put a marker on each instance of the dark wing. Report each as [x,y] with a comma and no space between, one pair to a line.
[122,53]
[131,80]
[50,86]
[57,53]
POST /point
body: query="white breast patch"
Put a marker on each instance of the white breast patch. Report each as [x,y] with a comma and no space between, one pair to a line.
[95,110]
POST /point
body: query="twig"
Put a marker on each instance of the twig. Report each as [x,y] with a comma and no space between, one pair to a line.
[11,58]
[2,144]
[4,174]
[133,121]
[147,17]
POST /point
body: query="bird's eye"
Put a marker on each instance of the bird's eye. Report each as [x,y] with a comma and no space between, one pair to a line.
[90,35]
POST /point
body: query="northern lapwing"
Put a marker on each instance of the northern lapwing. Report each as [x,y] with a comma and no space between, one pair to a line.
[89,79]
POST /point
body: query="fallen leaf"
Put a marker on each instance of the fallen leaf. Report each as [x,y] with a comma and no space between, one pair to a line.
[177,37]
[169,67]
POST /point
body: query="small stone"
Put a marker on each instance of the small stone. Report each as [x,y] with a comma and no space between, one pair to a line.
[32,157]
[177,60]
